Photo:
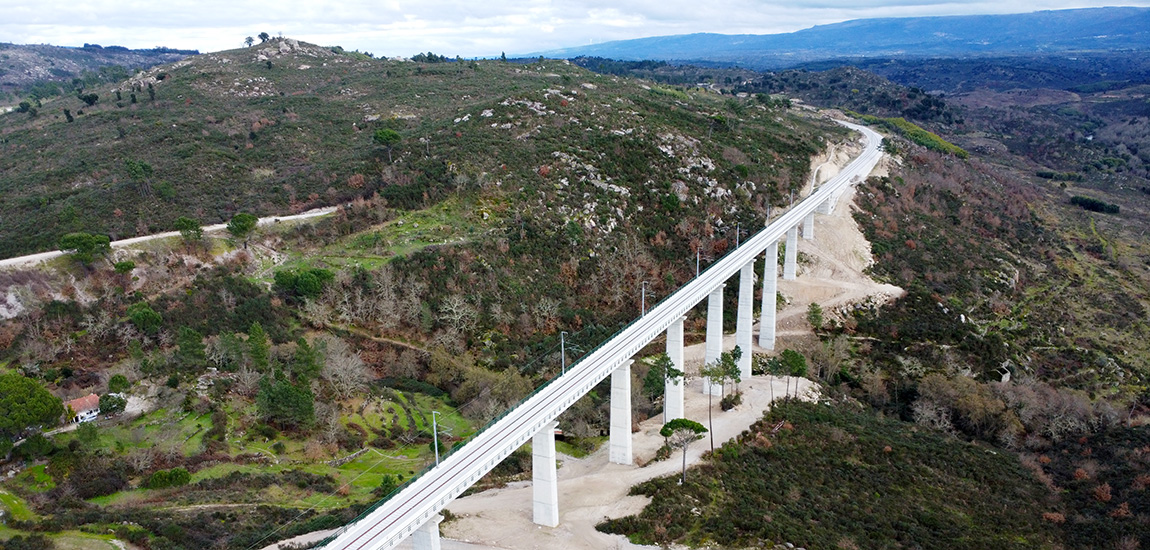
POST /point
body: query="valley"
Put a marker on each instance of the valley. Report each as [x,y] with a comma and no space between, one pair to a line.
[293,273]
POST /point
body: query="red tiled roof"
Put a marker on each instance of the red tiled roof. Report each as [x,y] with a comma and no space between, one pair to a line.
[90,402]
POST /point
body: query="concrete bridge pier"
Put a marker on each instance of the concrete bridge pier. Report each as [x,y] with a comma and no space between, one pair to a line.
[746,318]
[770,297]
[809,227]
[544,480]
[620,451]
[673,391]
[714,346]
[427,536]
[827,206]
[791,255]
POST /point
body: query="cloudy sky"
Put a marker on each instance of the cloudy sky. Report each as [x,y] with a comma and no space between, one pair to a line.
[450,27]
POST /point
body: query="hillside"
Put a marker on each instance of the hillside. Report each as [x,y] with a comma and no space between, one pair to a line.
[297,366]
[1095,29]
[836,476]
[182,139]
[40,69]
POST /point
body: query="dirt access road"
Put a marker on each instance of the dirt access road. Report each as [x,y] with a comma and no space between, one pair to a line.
[33,259]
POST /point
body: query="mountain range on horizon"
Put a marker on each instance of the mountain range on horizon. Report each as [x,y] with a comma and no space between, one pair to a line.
[1087,29]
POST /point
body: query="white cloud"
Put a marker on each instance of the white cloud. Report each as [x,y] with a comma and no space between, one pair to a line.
[450,27]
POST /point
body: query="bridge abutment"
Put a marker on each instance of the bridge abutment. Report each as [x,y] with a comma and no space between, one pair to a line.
[673,389]
[544,480]
[620,451]
[770,297]
[714,347]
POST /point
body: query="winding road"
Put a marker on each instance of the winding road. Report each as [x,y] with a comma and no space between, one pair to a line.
[33,259]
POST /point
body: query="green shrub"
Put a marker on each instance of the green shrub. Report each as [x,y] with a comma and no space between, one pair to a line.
[85,247]
[35,446]
[308,283]
[112,404]
[146,319]
[118,383]
[1094,205]
[241,224]
[162,479]
[914,133]
[387,485]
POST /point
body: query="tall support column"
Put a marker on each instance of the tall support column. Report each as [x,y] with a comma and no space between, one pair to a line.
[620,451]
[746,318]
[792,254]
[714,346]
[809,227]
[827,206]
[427,536]
[770,298]
[673,392]
[545,488]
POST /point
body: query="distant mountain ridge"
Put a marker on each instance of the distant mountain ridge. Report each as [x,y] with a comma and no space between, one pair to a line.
[1089,29]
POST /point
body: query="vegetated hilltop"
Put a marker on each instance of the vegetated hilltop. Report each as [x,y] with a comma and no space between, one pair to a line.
[836,476]
[1092,29]
[1016,221]
[289,126]
[483,208]
[30,69]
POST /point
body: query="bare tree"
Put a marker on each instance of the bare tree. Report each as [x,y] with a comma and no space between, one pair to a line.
[457,313]
[386,300]
[343,369]
[318,312]
[247,381]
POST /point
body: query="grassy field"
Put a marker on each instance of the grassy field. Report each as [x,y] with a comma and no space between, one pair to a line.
[15,506]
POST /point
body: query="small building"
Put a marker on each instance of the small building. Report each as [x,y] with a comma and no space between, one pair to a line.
[83,409]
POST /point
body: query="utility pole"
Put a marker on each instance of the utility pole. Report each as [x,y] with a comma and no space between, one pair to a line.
[563,352]
[644,302]
[697,253]
[435,435]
